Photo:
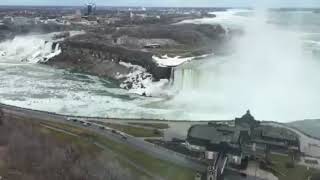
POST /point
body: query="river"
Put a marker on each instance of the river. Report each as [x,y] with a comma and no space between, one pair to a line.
[273,70]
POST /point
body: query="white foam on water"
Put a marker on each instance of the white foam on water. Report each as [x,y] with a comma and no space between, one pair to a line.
[25,83]
[140,82]
[231,18]
[29,49]
[43,88]
[270,73]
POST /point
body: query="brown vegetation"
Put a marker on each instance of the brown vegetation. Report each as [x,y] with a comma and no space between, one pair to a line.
[34,154]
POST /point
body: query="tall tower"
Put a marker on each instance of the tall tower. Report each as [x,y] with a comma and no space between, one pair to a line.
[91,8]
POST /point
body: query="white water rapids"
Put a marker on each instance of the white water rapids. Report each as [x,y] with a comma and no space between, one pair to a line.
[31,49]
[274,71]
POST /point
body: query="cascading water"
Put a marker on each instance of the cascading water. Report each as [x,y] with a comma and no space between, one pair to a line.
[186,78]
[270,73]
[26,83]
[274,71]
[31,49]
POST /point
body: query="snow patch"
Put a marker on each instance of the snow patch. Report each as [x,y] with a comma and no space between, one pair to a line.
[76,33]
[139,81]
[166,61]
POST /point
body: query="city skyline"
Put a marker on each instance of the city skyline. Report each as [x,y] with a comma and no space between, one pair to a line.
[173,3]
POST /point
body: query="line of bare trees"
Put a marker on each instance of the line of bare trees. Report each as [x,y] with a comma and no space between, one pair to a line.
[34,155]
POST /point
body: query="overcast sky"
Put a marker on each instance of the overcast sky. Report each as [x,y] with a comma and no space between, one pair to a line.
[213,3]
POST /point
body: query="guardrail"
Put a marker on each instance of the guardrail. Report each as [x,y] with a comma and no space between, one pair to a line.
[104,118]
[142,119]
[55,115]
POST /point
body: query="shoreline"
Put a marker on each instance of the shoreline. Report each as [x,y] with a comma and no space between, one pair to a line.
[137,119]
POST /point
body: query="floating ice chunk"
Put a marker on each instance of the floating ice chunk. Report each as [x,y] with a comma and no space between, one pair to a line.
[2,53]
[154,89]
[139,81]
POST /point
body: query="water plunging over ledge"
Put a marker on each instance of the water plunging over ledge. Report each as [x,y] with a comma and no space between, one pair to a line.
[274,72]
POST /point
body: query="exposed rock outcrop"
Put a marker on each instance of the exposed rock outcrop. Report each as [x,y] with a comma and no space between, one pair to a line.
[99,52]
[101,59]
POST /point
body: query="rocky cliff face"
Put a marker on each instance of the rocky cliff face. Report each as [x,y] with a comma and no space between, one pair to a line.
[101,59]
[101,52]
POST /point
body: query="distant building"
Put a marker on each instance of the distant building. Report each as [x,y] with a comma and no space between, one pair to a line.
[218,138]
[91,8]
[246,137]
[276,138]
[247,121]
[22,21]
[8,20]
[78,12]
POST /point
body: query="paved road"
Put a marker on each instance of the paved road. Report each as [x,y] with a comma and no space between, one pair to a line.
[139,144]
[177,129]
[309,146]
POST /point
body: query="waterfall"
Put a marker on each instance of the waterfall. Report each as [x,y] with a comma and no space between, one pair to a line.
[270,73]
[186,78]
[30,49]
[171,81]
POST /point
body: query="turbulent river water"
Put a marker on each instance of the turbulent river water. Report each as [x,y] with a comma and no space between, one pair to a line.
[274,70]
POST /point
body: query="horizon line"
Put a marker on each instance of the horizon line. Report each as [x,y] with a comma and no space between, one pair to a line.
[129,6]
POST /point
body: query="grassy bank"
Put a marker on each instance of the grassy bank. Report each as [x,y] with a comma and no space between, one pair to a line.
[152,125]
[134,131]
[36,151]
[297,172]
[159,167]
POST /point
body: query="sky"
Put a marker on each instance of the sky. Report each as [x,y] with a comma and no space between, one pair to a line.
[146,3]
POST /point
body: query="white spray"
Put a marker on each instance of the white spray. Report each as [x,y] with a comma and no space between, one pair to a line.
[30,49]
[270,73]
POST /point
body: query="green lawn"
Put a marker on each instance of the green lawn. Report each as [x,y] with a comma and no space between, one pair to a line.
[152,125]
[296,173]
[3,168]
[134,131]
[162,168]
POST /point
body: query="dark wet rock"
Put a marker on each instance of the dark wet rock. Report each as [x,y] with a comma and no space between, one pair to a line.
[64,34]
[99,52]
[101,59]
[187,34]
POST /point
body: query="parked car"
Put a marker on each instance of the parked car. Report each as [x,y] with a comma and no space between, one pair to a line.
[86,124]
[74,120]
[124,137]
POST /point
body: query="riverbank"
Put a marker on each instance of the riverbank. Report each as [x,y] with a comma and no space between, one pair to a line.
[115,52]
